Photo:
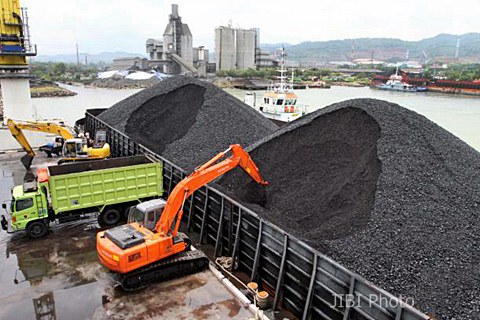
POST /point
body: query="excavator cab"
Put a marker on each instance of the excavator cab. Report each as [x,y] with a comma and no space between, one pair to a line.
[74,148]
[100,139]
[147,213]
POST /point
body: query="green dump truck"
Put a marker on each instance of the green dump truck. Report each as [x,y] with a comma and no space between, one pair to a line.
[71,191]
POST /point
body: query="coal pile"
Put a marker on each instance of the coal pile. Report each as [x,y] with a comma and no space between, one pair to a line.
[383,191]
[318,173]
[187,120]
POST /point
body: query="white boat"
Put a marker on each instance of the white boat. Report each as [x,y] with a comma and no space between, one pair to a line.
[279,103]
[396,83]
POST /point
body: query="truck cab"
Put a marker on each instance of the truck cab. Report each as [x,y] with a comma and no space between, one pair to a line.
[28,210]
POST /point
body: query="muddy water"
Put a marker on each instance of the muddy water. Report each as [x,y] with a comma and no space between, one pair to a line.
[59,277]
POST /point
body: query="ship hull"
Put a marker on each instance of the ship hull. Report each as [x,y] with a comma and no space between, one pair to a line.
[282,117]
[401,88]
[452,90]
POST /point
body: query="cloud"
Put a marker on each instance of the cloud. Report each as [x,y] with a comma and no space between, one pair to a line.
[124,25]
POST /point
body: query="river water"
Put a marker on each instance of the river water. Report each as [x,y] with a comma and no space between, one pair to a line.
[69,109]
[73,108]
[458,114]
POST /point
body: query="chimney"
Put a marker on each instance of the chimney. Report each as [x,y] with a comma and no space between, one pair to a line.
[174,11]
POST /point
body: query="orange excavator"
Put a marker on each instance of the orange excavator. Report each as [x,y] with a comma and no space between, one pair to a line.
[140,256]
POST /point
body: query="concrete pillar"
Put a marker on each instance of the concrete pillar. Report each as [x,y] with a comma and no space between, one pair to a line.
[17,103]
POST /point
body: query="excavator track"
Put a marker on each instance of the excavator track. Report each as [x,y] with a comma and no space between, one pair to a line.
[179,265]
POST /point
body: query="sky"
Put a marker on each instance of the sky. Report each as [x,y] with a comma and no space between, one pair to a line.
[98,26]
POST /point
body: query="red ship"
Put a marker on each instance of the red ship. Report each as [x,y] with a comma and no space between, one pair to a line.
[452,86]
[435,85]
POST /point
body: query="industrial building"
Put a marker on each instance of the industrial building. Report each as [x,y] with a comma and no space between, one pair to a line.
[177,39]
[130,63]
[225,48]
[154,49]
[264,59]
[174,53]
[245,48]
[237,48]
[200,60]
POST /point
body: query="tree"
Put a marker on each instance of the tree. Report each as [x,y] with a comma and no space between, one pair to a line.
[59,68]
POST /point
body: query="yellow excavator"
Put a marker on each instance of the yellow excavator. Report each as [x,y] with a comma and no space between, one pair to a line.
[73,149]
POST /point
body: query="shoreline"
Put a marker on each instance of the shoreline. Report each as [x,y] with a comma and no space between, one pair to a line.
[120,84]
[50,91]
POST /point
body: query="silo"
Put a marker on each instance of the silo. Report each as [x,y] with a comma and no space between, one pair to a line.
[245,48]
[225,48]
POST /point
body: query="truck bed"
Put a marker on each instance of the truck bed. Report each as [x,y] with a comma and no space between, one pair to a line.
[83,166]
[99,183]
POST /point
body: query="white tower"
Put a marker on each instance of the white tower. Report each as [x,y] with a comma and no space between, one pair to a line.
[457,49]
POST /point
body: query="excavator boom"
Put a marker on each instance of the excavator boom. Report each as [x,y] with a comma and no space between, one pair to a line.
[20,137]
[140,256]
[40,126]
[200,177]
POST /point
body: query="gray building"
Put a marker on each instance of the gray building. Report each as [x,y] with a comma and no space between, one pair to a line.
[225,52]
[129,63]
[246,47]
[177,39]
[235,48]
[200,54]
[200,60]
[174,53]
[154,49]
[264,59]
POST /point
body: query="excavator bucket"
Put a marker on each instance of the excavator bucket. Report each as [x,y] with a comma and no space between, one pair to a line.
[29,182]
[27,161]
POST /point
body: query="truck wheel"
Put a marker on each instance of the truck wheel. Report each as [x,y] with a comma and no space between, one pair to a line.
[109,217]
[37,229]
[126,211]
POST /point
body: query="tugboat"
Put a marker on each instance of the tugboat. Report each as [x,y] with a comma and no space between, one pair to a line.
[396,83]
[279,103]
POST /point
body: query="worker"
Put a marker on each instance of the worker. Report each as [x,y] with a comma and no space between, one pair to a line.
[89,140]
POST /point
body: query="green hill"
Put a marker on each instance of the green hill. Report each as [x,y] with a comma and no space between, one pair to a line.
[439,48]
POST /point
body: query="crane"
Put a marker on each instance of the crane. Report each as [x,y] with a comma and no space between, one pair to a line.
[73,148]
[139,256]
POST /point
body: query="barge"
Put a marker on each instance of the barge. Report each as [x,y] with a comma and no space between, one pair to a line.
[432,85]
[298,278]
